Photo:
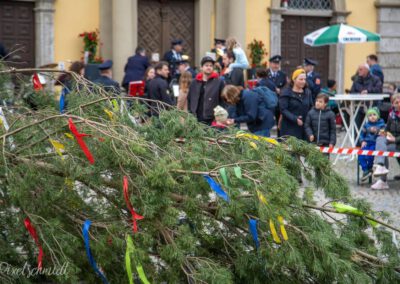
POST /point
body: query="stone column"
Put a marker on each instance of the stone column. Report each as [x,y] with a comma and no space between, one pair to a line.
[237,21]
[203,12]
[124,34]
[336,54]
[388,49]
[106,27]
[221,19]
[44,25]
[275,30]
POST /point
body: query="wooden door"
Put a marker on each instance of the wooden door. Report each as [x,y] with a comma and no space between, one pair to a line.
[17,32]
[294,28]
[161,21]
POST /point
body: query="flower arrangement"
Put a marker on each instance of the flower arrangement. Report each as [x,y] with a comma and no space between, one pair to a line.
[91,42]
[257,53]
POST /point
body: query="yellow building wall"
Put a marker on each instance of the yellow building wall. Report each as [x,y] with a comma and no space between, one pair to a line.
[71,18]
[363,15]
[257,24]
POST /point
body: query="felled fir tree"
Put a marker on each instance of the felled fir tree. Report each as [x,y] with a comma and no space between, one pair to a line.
[259,227]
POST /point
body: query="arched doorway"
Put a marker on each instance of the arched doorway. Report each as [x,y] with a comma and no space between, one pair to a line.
[305,16]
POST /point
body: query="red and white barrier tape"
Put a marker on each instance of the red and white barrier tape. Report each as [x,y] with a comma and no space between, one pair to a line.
[350,151]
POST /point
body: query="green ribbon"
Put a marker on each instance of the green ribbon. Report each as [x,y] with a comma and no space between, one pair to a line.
[224,176]
[130,249]
[238,174]
[344,208]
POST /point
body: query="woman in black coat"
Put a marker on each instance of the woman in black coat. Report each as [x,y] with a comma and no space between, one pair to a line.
[294,103]
[248,107]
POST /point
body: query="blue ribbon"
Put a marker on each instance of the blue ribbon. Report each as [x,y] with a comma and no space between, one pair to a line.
[92,262]
[253,231]
[217,188]
[63,102]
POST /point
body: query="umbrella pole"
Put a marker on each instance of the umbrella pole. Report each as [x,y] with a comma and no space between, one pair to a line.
[340,69]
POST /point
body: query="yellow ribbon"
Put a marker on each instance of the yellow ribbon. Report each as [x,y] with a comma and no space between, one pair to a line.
[115,105]
[273,232]
[257,138]
[57,146]
[283,230]
[110,114]
[69,182]
[130,248]
[69,135]
[261,197]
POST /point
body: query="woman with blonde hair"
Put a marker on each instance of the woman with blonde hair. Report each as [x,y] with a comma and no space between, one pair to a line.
[294,103]
[184,83]
[248,107]
[240,56]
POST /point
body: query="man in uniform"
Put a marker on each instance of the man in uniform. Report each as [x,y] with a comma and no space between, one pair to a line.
[105,80]
[275,74]
[174,56]
[184,66]
[313,78]
[279,78]
[219,50]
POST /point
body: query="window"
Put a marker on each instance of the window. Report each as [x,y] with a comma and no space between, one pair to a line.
[307,4]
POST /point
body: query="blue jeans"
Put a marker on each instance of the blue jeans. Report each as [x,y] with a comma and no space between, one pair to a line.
[264,132]
[366,162]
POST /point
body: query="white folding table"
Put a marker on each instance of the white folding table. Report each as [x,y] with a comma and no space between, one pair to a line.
[352,105]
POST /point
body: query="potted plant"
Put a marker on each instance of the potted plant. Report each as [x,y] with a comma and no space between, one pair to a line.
[91,41]
[257,53]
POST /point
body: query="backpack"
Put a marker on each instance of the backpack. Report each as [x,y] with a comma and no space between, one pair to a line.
[268,97]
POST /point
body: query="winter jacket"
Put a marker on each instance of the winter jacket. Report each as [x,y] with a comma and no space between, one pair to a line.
[292,106]
[235,77]
[211,98]
[158,91]
[135,69]
[377,71]
[371,83]
[322,125]
[370,131]
[241,59]
[393,126]
[267,82]
[251,110]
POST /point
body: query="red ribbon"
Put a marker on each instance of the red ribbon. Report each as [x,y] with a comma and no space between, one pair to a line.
[36,82]
[32,232]
[81,142]
[135,216]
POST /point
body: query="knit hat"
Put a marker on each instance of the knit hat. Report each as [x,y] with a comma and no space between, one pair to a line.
[374,110]
[221,115]
[297,72]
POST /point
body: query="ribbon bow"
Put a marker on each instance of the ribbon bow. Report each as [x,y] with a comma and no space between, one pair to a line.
[81,142]
[135,216]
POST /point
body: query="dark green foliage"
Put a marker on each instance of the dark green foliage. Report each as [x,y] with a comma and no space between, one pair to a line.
[186,235]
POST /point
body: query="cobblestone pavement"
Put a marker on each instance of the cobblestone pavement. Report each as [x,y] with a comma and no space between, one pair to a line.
[382,200]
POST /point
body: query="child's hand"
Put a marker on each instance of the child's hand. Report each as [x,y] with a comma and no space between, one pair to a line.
[229,121]
[363,144]
[390,137]
[311,138]
[299,122]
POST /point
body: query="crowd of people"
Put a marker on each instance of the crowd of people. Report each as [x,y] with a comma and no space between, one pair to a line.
[218,94]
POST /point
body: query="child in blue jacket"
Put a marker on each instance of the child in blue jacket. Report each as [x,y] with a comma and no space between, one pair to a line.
[368,136]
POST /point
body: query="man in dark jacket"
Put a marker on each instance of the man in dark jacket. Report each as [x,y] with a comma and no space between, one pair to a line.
[174,56]
[135,67]
[105,80]
[158,89]
[366,83]
[235,76]
[320,123]
[205,92]
[375,68]
[313,78]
